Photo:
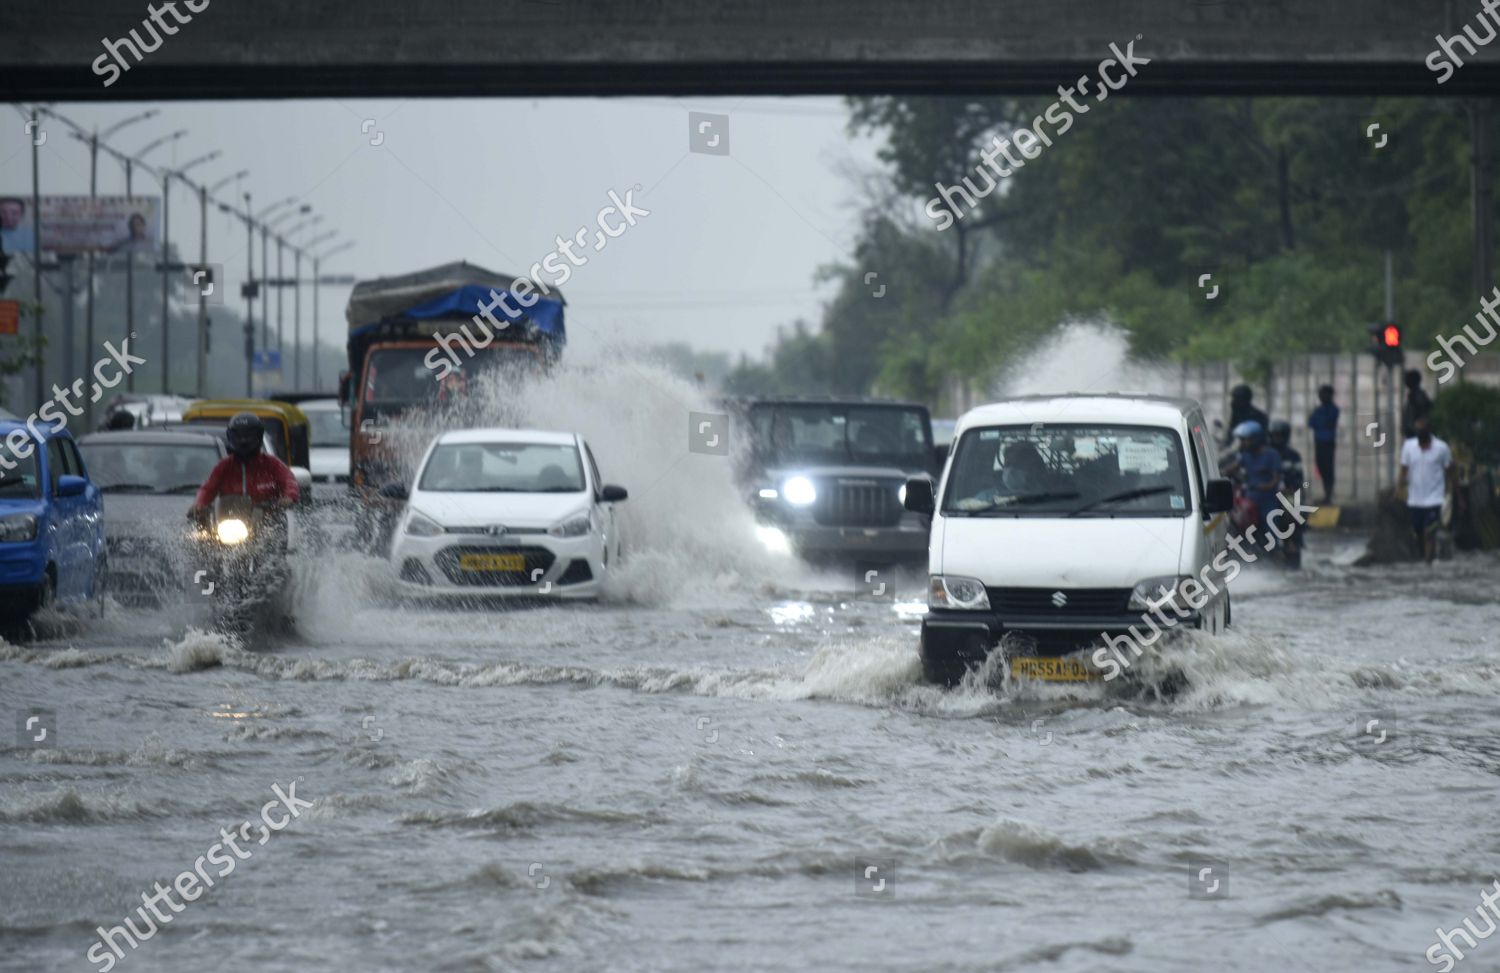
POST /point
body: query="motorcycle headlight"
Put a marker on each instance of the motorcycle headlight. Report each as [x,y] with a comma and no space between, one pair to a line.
[420,525]
[949,591]
[232,531]
[572,527]
[799,491]
[1155,591]
[18,527]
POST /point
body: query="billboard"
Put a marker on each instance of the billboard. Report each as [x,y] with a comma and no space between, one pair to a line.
[78,224]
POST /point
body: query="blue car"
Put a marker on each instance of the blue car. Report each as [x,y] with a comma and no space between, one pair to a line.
[51,523]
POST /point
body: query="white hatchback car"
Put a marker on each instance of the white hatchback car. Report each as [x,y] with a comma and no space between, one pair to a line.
[507,512]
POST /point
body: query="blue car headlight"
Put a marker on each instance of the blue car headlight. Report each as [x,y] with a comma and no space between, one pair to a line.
[18,527]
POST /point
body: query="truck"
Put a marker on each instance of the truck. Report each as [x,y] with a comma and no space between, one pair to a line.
[419,341]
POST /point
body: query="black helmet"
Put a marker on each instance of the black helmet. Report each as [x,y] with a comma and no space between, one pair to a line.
[1240,393]
[1413,378]
[245,435]
[1279,433]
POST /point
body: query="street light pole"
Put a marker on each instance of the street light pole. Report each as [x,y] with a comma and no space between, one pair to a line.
[317,277]
[93,143]
[265,263]
[166,261]
[130,254]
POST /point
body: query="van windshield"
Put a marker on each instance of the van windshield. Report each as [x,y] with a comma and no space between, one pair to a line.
[1068,470]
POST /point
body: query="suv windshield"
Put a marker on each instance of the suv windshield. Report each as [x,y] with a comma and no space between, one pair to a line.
[1063,470]
[829,433]
[503,468]
[403,375]
[148,467]
[18,475]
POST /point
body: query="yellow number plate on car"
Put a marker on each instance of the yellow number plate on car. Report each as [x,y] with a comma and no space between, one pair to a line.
[1052,670]
[492,562]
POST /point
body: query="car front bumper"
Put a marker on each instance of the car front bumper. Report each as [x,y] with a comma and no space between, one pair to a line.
[554,567]
[967,637]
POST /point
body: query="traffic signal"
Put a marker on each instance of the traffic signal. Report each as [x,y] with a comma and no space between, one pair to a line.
[1385,343]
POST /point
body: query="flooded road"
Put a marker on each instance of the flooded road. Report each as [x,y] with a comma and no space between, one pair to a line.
[703,776]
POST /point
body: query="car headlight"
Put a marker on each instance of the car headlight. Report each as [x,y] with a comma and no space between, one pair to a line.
[1155,591]
[949,591]
[231,531]
[18,527]
[799,491]
[572,527]
[421,525]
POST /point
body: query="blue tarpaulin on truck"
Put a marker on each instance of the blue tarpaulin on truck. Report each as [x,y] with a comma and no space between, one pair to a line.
[545,314]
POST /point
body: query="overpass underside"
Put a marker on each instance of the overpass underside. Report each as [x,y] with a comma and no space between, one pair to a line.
[340,48]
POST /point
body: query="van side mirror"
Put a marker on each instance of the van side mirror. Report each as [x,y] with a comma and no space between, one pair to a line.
[919,497]
[1218,497]
[394,491]
[71,486]
[344,380]
[613,494]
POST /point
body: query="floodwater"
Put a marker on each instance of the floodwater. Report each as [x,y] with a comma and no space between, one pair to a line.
[731,763]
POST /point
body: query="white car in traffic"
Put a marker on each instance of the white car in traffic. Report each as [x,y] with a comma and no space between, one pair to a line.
[507,512]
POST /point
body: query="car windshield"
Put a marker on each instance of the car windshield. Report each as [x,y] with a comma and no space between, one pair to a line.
[18,475]
[327,428]
[404,375]
[1068,470]
[148,467]
[503,468]
[791,434]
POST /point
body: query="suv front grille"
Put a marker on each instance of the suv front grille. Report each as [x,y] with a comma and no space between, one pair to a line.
[1045,601]
[856,503]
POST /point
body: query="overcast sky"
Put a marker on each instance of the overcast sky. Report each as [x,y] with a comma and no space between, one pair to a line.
[728,252]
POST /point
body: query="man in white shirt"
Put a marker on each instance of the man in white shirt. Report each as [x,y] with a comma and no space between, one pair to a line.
[1426,475]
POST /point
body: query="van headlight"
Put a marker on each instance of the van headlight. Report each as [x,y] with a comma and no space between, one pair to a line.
[420,525]
[799,491]
[572,527]
[18,527]
[951,591]
[1155,591]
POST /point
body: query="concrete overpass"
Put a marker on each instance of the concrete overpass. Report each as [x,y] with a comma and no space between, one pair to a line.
[338,48]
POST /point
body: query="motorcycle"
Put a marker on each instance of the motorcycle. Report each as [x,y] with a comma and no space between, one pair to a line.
[1246,514]
[243,566]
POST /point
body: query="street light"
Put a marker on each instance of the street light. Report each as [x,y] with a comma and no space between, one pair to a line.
[129,164]
[226,181]
[93,142]
[317,261]
[265,267]
[166,259]
[296,294]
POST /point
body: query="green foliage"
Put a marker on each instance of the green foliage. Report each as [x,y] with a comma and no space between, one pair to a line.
[1286,202]
[1468,415]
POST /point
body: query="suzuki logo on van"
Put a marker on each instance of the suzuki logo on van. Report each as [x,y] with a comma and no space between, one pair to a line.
[1059,599]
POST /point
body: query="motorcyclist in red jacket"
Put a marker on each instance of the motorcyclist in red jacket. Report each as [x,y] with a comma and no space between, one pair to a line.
[247,471]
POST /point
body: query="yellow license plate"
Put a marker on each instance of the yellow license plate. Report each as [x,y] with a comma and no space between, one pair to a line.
[492,562]
[1052,670]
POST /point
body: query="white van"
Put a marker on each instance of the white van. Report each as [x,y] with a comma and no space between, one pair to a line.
[1068,520]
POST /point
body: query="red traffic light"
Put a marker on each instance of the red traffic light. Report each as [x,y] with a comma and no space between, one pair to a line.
[1390,336]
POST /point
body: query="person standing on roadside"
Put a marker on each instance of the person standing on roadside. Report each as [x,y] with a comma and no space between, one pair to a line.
[1324,422]
[1242,409]
[1427,474]
[1417,404]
